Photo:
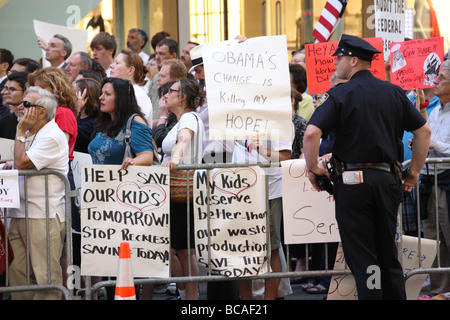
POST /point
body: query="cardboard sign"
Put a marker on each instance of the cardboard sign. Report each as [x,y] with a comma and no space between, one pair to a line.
[390,23]
[416,63]
[6,149]
[9,189]
[248,87]
[236,226]
[125,205]
[45,30]
[344,288]
[320,64]
[309,216]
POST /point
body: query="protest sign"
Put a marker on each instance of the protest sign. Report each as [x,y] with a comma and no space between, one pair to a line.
[343,287]
[9,189]
[390,22]
[416,63]
[6,149]
[248,87]
[78,37]
[320,64]
[236,226]
[309,216]
[125,205]
[79,159]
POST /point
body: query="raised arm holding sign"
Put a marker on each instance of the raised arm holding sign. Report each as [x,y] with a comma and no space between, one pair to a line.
[248,87]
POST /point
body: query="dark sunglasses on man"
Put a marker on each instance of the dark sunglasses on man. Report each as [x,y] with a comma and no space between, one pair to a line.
[28,105]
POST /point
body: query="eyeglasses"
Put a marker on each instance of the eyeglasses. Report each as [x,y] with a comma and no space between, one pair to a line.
[28,105]
[441,78]
[11,89]
[173,90]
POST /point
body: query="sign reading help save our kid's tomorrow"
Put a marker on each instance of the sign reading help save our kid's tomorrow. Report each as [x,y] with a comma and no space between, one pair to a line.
[416,63]
[320,64]
[248,86]
[125,206]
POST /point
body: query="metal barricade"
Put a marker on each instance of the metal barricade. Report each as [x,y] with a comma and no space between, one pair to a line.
[66,293]
[90,288]
[439,267]
[289,274]
[209,277]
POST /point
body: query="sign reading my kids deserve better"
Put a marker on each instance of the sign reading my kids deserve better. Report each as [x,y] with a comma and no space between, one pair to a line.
[248,87]
[125,206]
[231,221]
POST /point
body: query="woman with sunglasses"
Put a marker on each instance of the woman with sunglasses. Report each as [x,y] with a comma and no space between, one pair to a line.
[184,145]
[117,104]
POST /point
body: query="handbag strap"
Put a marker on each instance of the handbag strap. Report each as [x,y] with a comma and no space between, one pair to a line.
[128,137]
[128,128]
[196,140]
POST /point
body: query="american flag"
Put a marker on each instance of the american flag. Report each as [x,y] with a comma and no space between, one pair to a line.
[329,19]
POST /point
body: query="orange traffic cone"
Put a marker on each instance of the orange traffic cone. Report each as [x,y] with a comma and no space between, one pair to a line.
[125,283]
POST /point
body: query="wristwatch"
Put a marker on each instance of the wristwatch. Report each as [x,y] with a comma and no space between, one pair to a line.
[21,139]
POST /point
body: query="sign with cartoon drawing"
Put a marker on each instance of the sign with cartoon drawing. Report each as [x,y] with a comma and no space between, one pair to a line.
[416,63]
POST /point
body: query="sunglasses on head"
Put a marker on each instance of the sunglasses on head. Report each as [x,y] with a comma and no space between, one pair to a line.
[28,105]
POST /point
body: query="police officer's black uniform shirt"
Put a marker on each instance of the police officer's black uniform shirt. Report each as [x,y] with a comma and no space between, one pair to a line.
[366,118]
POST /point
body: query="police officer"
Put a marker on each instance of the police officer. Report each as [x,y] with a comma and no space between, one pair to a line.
[366,118]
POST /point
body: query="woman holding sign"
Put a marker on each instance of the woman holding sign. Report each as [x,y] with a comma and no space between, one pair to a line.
[183,145]
[117,105]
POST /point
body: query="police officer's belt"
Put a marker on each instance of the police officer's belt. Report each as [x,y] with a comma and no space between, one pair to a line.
[377,166]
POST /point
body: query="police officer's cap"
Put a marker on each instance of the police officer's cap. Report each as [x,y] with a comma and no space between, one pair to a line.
[355,47]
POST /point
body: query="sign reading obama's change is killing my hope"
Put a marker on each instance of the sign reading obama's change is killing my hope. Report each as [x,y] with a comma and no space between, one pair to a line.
[248,87]
[320,64]
[125,205]
[416,63]
[236,226]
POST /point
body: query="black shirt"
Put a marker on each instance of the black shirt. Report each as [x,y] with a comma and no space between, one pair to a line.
[366,118]
[8,127]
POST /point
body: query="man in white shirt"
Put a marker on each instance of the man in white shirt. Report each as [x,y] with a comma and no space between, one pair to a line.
[57,51]
[439,122]
[136,41]
[40,144]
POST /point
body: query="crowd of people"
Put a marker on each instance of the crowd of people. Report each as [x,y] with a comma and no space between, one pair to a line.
[83,104]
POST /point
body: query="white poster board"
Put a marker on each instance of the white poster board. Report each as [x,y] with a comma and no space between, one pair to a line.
[249,89]
[9,189]
[6,149]
[79,159]
[309,216]
[125,205]
[344,288]
[236,226]
[390,23]
[78,37]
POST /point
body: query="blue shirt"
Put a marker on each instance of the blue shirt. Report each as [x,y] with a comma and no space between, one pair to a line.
[110,151]
[434,102]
